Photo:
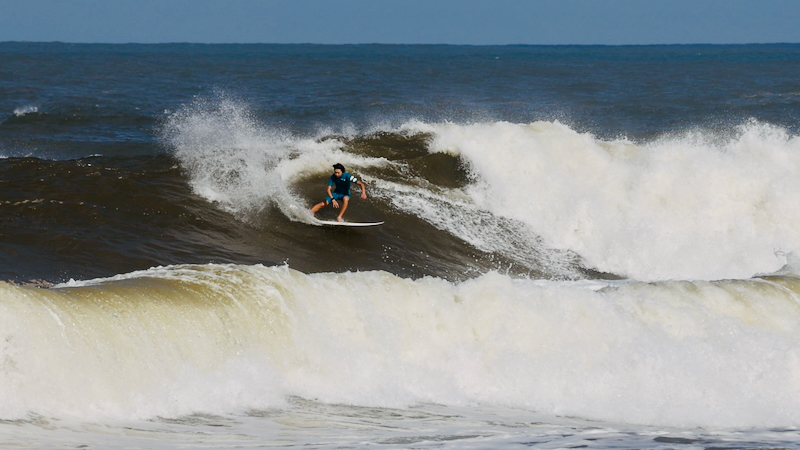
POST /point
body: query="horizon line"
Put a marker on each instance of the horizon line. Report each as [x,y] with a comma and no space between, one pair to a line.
[396,44]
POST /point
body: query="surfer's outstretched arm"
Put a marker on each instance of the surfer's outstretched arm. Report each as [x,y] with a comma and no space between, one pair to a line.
[363,189]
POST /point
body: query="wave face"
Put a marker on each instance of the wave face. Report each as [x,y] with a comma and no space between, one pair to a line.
[263,176]
[216,338]
[695,205]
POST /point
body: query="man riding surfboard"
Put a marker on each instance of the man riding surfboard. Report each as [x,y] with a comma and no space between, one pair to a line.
[339,189]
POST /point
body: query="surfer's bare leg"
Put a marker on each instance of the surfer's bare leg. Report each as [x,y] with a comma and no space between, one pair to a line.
[317,207]
[345,201]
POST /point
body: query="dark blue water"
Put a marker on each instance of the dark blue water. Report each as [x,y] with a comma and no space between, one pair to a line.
[115,93]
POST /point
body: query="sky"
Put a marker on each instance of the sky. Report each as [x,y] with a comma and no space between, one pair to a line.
[458,22]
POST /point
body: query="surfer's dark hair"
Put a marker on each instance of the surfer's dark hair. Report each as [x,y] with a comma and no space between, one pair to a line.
[338,166]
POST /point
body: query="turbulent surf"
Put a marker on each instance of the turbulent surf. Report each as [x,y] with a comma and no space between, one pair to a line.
[574,238]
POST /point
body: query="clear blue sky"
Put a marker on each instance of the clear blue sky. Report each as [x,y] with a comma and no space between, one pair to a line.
[476,22]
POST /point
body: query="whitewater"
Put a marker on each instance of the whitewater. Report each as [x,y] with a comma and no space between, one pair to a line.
[176,340]
[694,206]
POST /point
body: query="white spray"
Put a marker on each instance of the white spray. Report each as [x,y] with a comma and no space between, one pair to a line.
[216,339]
[243,166]
[678,208]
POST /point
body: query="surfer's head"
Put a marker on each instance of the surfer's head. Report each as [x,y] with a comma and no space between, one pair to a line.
[338,169]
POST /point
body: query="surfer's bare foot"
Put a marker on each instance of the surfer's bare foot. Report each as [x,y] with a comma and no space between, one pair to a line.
[339,219]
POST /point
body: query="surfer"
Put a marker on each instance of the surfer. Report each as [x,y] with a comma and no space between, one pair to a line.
[340,183]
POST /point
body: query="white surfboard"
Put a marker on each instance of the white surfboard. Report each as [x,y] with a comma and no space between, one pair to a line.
[348,224]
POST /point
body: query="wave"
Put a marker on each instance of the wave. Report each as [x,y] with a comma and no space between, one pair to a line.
[247,168]
[178,340]
[694,205]
[23,110]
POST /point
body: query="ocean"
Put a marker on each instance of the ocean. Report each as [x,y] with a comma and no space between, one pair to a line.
[583,247]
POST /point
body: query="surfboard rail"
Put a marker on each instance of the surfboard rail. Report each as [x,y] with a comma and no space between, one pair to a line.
[347,224]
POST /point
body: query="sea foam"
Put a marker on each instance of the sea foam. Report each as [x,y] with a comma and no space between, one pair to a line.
[220,338]
[689,206]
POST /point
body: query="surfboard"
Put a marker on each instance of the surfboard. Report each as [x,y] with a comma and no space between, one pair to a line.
[348,224]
